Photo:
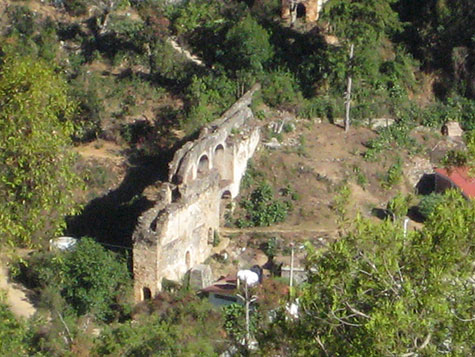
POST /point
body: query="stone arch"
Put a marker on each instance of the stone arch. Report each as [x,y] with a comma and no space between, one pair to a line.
[226,195]
[219,160]
[226,206]
[188,260]
[146,293]
[203,166]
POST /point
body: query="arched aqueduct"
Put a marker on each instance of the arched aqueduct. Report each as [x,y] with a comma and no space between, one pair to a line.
[178,231]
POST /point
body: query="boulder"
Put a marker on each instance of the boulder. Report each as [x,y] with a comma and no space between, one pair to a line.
[201,276]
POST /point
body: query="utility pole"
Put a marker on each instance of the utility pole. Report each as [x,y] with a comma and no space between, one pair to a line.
[247,302]
[348,92]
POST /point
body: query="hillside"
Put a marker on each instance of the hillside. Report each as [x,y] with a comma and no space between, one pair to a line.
[96,96]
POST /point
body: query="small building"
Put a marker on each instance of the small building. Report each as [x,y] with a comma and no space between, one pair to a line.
[455,177]
[452,129]
[222,292]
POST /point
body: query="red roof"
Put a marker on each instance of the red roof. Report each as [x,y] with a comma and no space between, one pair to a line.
[460,177]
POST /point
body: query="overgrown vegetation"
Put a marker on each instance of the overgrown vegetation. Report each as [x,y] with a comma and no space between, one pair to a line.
[86,280]
[262,209]
[383,290]
[108,70]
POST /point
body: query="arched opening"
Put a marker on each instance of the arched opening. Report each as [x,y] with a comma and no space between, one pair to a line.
[219,161]
[301,10]
[176,195]
[203,167]
[147,294]
[226,208]
[226,195]
[188,260]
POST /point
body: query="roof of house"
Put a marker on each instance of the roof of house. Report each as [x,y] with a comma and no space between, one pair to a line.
[461,178]
[225,285]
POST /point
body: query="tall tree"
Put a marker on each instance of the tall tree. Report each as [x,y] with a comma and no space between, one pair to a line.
[362,25]
[378,293]
[36,177]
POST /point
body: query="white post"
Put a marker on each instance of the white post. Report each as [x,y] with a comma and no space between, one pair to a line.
[406,221]
[246,294]
[291,265]
[348,94]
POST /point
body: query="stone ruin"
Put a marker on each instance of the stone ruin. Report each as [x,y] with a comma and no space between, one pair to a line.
[452,129]
[177,233]
[308,8]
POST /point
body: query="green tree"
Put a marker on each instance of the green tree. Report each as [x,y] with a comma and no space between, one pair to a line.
[90,279]
[262,209]
[376,293]
[36,177]
[247,46]
[93,279]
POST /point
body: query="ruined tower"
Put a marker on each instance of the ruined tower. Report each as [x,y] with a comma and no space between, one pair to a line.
[309,8]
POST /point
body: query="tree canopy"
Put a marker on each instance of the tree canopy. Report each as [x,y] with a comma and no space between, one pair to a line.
[91,279]
[36,177]
[376,292]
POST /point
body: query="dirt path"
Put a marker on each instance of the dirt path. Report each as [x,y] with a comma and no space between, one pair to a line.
[186,53]
[103,150]
[277,230]
[17,297]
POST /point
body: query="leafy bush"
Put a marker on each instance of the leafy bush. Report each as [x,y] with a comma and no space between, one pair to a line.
[399,206]
[394,175]
[341,201]
[89,278]
[394,136]
[428,204]
[455,158]
[13,333]
[23,20]
[208,96]
[262,209]
[176,325]
[76,7]
[280,88]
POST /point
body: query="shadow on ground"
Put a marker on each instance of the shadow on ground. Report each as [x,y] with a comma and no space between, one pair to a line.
[111,219]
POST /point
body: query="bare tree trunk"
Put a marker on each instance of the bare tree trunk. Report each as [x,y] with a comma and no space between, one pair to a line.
[104,22]
[348,94]
[293,12]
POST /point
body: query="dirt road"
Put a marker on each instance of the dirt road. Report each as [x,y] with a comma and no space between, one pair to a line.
[17,297]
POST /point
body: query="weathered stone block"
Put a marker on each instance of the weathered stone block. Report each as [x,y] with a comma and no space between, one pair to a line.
[201,276]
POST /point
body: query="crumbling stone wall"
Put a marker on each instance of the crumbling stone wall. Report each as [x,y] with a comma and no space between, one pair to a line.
[177,233]
[312,9]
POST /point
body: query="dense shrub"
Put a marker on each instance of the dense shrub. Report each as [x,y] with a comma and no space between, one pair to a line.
[279,88]
[89,278]
[428,204]
[262,209]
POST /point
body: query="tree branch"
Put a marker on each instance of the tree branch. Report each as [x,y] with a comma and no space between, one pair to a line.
[357,312]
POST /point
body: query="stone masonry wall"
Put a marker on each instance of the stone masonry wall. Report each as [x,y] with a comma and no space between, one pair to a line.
[177,233]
